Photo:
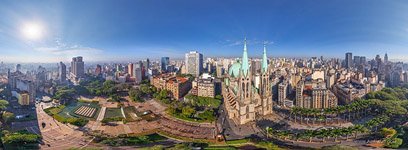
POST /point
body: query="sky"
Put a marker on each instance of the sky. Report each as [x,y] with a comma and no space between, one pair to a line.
[127,30]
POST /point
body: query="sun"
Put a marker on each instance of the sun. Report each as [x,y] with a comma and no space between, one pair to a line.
[32,31]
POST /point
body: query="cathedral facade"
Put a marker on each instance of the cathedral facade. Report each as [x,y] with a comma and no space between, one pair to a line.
[247,92]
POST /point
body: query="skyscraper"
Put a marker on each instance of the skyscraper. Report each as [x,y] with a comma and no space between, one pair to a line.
[349,60]
[194,63]
[363,60]
[137,72]
[98,70]
[164,63]
[77,67]
[62,72]
[147,64]
[18,68]
[130,69]
[357,60]
[385,58]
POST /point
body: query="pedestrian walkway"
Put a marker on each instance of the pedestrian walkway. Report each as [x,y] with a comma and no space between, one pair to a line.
[101,114]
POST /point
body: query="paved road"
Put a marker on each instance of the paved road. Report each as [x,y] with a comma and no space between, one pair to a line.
[57,135]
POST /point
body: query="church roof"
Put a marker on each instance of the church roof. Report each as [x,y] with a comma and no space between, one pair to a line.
[245,62]
[234,70]
[264,61]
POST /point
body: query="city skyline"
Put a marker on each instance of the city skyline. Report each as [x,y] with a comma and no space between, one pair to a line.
[125,31]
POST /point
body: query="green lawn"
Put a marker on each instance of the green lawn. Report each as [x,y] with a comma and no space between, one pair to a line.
[113,113]
[54,110]
[68,111]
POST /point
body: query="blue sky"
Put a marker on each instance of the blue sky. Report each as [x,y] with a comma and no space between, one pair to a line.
[136,29]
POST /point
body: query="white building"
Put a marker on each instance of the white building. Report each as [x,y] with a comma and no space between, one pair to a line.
[194,63]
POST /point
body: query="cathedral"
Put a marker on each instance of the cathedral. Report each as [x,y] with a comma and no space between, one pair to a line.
[247,92]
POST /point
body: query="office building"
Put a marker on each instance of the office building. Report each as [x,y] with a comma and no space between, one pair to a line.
[130,69]
[62,72]
[165,61]
[349,60]
[77,68]
[18,68]
[137,72]
[206,87]
[194,63]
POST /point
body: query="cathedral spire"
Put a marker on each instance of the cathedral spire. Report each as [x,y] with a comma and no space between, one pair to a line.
[245,63]
[264,60]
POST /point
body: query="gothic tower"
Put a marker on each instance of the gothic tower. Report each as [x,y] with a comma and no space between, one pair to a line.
[265,88]
[245,78]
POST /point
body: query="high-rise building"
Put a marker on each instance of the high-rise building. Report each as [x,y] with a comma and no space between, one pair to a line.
[357,60]
[62,72]
[137,72]
[385,58]
[206,87]
[349,60]
[363,60]
[165,61]
[194,63]
[98,70]
[147,64]
[77,67]
[219,70]
[130,69]
[18,68]
[23,97]
[282,93]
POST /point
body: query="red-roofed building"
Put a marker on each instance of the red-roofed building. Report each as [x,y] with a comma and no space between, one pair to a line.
[178,86]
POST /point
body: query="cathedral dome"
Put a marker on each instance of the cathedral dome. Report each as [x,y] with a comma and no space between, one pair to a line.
[234,69]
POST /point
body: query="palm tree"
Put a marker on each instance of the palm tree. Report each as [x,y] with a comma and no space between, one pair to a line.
[301,113]
[308,112]
[323,133]
[285,134]
[337,132]
[309,134]
[341,110]
[337,111]
[295,111]
[346,132]
[269,131]
[359,129]
[314,112]
[348,107]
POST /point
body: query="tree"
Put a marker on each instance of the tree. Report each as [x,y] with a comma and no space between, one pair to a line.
[7,116]
[269,131]
[145,89]
[393,142]
[188,111]
[21,137]
[207,115]
[3,104]
[135,95]
[171,110]
[218,97]
[388,132]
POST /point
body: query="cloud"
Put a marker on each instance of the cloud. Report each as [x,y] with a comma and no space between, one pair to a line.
[59,47]
[68,50]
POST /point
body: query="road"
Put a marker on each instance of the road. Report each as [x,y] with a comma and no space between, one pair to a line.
[57,135]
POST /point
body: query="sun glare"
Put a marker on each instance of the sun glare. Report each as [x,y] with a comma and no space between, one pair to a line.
[32,31]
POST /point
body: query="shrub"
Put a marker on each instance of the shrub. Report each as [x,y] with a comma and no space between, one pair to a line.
[393,142]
